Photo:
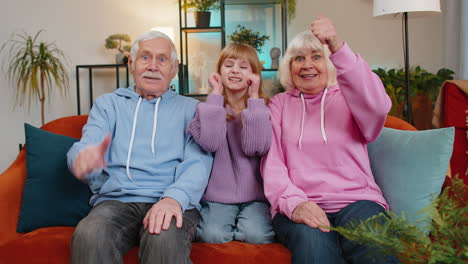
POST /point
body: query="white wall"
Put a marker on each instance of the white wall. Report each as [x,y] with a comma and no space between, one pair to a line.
[464,40]
[378,40]
[453,46]
[80,27]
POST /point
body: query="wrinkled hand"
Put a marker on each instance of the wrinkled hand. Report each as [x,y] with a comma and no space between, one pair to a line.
[160,215]
[324,30]
[215,83]
[91,158]
[311,214]
[253,80]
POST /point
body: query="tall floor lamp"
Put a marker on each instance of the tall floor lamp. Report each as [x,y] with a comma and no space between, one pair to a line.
[394,7]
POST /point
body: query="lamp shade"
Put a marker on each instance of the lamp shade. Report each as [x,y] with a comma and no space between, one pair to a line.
[385,7]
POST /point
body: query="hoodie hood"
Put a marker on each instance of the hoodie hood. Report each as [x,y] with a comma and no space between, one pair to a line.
[296,93]
[303,97]
[131,93]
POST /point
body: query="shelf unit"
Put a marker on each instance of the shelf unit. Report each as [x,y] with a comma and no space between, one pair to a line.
[271,15]
[90,68]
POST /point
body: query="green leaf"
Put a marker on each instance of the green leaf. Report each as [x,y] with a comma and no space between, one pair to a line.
[392,234]
[249,37]
[200,5]
[118,41]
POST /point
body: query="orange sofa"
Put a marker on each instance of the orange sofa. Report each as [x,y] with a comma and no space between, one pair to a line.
[52,244]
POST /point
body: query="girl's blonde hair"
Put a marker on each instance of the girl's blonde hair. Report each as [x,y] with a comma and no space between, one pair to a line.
[242,51]
[301,43]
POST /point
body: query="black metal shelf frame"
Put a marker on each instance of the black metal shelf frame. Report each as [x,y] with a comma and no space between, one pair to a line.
[90,81]
[185,30]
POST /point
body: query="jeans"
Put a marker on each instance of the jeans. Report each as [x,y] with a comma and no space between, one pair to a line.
[310,245]
[112,228]
[246,222]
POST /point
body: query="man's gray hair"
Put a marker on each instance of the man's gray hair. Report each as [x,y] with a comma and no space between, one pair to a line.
[301,43]
[153,34]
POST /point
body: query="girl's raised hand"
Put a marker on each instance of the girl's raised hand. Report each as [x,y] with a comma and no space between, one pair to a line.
[253,81]
[215,83]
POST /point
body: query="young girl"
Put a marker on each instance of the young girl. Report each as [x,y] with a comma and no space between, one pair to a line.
[234,123]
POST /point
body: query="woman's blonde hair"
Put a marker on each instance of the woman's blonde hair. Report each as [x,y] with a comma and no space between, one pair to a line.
[242,51]
[302,42]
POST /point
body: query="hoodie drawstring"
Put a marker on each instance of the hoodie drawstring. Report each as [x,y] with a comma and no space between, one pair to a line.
[155,122]
[135,117]
[322,116]
[302,122]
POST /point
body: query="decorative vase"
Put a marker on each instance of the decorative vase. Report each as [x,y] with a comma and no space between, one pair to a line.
[275,54]
[119,58]
[202,19]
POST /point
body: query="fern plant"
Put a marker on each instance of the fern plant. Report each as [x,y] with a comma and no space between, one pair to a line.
[393,235]
[34,68]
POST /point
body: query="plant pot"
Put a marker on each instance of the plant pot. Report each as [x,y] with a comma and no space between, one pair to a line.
[421,106]
[202,19]
[397,110]
[120,58]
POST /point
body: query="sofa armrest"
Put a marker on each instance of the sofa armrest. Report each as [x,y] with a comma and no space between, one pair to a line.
[12,180]
[397,123]
[11,192]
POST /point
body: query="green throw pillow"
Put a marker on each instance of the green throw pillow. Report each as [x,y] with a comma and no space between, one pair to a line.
[410,168]
[52,195]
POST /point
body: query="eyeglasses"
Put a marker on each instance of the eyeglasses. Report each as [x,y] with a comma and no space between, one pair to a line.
[161,60]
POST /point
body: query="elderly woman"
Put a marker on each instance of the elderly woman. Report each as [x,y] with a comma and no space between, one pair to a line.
[317,171]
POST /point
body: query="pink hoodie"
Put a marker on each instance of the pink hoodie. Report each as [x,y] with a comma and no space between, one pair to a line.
[319,148]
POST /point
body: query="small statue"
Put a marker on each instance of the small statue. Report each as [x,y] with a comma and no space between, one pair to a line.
[274,54]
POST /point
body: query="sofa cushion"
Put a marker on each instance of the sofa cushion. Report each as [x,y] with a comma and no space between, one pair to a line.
[238,252]
[410,168]
[52,196]
[45,245]
[51,245]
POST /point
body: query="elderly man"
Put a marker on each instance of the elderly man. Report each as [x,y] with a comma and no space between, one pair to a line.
[141,166]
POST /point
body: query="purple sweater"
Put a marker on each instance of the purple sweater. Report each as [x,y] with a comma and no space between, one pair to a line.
[235,177]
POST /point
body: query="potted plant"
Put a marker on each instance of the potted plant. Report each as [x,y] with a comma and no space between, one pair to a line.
[394,82]
[424,88]
[248,36]
[291,8]
[202,12]
[34,68]
[393,235]
[121,42]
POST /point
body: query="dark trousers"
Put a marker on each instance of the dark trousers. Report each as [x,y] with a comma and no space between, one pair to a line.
[112,228]
[310,245]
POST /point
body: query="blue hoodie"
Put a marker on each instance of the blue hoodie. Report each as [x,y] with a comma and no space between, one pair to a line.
[150,156]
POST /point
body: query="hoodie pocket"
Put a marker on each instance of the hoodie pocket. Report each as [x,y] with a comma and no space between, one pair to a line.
[338,179]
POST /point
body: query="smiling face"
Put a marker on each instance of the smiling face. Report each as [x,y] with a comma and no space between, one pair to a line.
[153,68]
[309,72]
[234,74]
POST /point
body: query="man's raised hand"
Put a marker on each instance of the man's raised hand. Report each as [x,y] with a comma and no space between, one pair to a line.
[91,158]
